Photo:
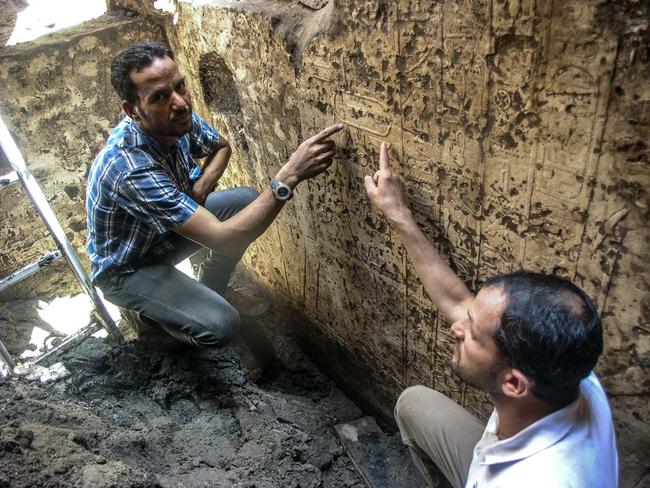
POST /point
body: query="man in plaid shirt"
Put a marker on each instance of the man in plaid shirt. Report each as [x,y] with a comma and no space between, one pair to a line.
[150,205]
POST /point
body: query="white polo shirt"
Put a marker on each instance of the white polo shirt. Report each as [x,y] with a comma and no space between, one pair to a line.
[574,447]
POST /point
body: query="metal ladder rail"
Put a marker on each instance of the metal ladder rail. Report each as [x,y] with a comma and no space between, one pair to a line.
[43,208]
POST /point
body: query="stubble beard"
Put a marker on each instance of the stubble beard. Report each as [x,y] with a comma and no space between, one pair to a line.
[169,129]
[485,381]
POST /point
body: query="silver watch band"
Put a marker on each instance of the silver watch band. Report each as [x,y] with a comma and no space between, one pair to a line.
[281,191]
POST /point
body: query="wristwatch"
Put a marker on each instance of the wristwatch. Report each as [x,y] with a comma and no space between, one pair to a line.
[281,191]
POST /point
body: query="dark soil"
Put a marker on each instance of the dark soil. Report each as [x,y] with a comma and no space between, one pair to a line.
[133,416]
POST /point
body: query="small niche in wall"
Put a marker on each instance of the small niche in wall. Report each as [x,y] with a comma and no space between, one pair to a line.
[221,95]
[219,89]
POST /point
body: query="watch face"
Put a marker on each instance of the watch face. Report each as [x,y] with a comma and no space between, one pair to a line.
[281,191]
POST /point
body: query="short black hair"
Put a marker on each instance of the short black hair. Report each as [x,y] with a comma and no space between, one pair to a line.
[550,330]
[134,58]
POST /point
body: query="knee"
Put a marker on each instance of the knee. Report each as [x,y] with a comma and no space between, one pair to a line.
[246,195]
[228,327]
[412,402]
[221,330]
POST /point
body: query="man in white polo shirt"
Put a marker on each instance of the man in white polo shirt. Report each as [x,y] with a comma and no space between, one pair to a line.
[531,342]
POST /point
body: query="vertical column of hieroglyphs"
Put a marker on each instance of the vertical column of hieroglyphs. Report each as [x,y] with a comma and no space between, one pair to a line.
[456,100]
[511,132]
[419,56]
[573,96]
[355,268]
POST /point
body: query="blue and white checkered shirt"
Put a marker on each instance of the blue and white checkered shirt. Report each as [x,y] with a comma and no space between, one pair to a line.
[139,191]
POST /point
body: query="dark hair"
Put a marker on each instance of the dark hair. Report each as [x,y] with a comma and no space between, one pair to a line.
[550,330]
[135,58]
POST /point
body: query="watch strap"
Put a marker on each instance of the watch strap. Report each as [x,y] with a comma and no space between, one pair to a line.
[281,191]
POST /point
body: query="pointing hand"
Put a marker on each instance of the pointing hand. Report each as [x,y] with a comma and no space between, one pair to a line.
[311,158]
[386,190]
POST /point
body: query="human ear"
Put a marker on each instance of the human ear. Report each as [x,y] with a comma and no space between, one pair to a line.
[130,110]
[515,384]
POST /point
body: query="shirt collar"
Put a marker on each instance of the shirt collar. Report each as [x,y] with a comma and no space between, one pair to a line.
[132,135]
[544,433]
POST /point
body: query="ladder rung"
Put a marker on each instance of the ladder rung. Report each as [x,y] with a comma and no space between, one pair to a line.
[30,269]
[36,195]
[8,179]
[71,341]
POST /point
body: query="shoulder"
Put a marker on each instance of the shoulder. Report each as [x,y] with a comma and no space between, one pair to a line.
[114,164]
[199,123]
[571,465]
[123,159]
[587,456]
[202,130]
[591,387]
[596,410]
[203,139]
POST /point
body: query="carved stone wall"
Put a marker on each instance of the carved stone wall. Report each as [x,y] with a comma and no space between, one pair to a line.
[521,130]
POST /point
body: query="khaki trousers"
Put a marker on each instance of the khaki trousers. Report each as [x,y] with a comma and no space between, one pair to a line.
[439,433]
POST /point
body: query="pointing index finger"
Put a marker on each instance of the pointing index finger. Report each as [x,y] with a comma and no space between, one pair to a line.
[383,157]
[325,133]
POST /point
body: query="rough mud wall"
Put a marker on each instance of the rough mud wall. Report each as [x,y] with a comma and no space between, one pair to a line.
[58,102]
[521,129]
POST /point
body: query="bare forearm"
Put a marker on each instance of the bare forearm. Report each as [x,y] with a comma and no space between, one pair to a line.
[446,290]
[232,236]
[211,172]
[216,164]
[387,194]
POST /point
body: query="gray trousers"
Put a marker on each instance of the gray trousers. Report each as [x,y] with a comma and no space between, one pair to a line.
[193,312]
[439,433]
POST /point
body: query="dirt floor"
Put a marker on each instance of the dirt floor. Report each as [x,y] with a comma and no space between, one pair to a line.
[132,415]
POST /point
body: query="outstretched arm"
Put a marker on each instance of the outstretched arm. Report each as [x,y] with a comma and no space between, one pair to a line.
[232,236]
[447,291]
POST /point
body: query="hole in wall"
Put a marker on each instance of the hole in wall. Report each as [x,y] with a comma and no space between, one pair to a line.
[221,95]
[218,83]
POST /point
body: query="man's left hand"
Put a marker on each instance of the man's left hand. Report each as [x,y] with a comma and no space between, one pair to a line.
[201,189]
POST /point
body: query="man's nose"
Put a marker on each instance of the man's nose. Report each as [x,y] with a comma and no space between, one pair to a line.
[178,102]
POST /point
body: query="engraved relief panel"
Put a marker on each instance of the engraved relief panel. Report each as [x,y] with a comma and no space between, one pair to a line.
[572,110]
[497,115]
